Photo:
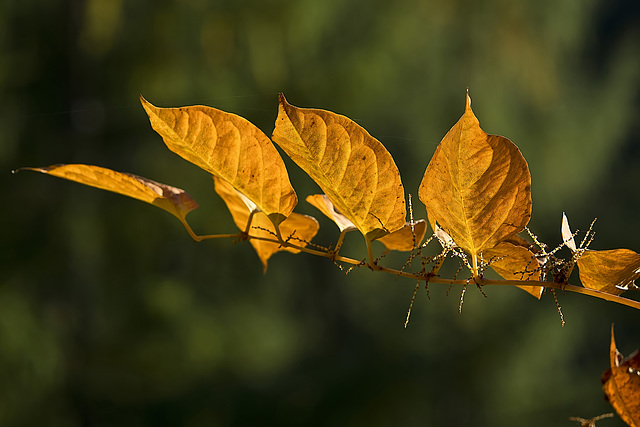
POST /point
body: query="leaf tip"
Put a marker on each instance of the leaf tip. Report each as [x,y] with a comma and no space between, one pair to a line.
[468,105]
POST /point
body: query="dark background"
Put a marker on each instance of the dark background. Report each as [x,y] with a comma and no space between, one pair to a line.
[111,315]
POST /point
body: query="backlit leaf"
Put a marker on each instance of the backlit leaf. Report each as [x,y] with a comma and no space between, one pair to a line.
[229,147]
[621,384]
[613,271]
[515,262]
[477,187]
[353,169]
[301,227]
[405,239]
[324,205]
[567,236]
[171,199]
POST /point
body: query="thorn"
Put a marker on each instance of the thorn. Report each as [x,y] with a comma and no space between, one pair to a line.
[413,297]
[555,298]
[464,289]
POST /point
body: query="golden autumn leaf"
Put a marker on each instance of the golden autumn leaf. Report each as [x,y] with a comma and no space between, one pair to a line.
[229,147]
[405,239]
[301,227]
[515,262]
[613,271]
[621,384]
[324,205]
[477,187]
[173,200]
[353,169]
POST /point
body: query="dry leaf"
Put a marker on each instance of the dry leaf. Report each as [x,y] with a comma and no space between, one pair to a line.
[613,271]
[567,236]
[324,205]
[515,262]
[301,227]
[621,384]
[353,169]
[229,147]
[405,239]
[173,200]
[477,187]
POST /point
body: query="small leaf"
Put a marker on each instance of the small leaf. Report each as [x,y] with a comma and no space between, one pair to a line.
[477,187]
[353,169]
[324,205]
[613,271]
[405,239]
[621,384]
[171,199]
[444,238]
[515,262]
[567,236]
[230,147]
[301,227]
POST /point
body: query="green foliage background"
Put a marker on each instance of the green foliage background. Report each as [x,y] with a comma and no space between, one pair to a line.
[111,315]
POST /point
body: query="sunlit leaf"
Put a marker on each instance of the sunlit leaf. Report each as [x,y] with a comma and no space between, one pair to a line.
[567,236]
[171,199]
[405,239]
[353,169]
[515,262]
[621,384]
[229,147]
[324,205]
[299,228]
[613,271]
[477,187]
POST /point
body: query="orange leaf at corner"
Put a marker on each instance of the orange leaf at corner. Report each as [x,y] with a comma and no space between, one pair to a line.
[173,200]
[230,147]
[477,187]
[612,271]
[621,384]
[353,168]
[515,262]
[301,227]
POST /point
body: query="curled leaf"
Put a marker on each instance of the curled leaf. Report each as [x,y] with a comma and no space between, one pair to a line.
[567,236]
[515,262]
[477,187]
[173,200]
[324,205]
[621,384]
[353,169]
[405,239]
[300,228]
[229,147]
[613,271]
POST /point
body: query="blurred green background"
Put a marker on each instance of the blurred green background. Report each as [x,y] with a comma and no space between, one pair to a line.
[111,315]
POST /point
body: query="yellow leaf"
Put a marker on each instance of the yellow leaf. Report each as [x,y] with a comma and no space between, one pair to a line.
[477,187]
[405,239]
[621,384]
[171,199]
[612,271]
[353,169]
[515,262]
[301,228]
[230,147]
[324,205]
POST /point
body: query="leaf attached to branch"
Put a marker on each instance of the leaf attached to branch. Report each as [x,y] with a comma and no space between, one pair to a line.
[173,200]
[353,169]
[477,187]
[299,228]
[229,147]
